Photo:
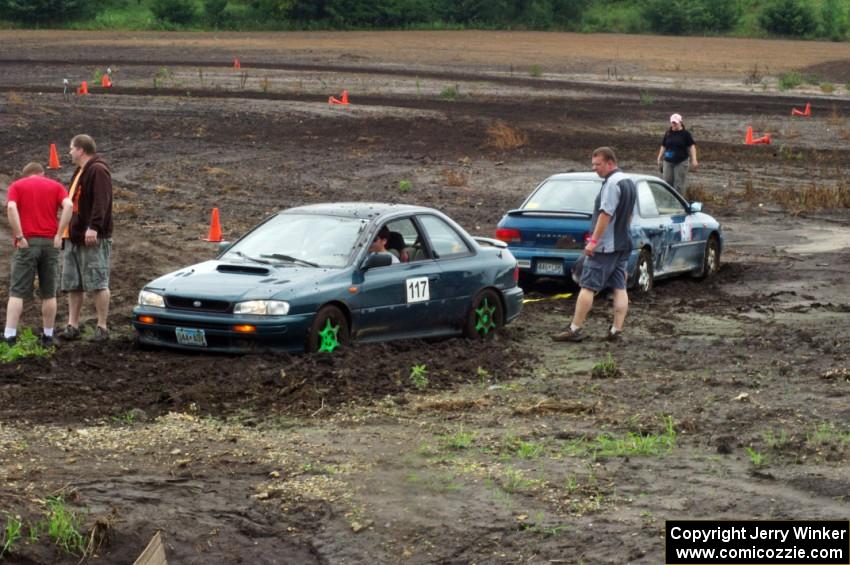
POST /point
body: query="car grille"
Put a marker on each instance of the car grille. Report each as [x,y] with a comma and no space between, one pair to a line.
[197,304]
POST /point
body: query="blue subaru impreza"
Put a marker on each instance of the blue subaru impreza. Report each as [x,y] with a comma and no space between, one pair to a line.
[306,278]
[670,236]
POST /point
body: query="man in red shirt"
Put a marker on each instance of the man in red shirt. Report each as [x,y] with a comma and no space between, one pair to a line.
[32,203]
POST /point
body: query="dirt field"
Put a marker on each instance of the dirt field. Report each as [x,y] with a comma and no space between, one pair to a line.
[729,399]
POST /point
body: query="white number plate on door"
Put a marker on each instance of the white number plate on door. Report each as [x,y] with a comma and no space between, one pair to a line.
[418,290]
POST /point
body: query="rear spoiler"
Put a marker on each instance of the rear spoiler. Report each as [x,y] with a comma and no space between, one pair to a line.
[531,212]
[490,242]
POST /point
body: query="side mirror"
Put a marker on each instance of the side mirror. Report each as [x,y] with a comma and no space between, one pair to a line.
[696,207]
[376,260]
[224,246]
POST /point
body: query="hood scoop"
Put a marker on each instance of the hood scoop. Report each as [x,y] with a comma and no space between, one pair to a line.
[243,270]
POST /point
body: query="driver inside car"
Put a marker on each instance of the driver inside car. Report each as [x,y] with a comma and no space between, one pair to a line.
[379,244]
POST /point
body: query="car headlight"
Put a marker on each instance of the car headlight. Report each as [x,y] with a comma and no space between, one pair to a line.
[262,307]
[148,298]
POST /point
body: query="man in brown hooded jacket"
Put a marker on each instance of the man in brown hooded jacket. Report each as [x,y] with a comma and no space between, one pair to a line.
[88,243]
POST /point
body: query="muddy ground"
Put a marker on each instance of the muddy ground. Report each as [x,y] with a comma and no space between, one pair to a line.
[739,382]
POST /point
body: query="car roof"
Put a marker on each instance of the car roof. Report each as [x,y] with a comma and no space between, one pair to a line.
[364,210]
[593,176]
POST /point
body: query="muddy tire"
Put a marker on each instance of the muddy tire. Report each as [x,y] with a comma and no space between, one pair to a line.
[644,278]
[485,316]
[710,259]
[328,332]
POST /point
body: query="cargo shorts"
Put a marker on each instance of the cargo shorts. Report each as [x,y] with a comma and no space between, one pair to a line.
[41,259]
[605,270]
[86,268]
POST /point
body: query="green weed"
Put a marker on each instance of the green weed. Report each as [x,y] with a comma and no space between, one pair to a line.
[646,99]
[27,345]
[125,418]
[450,93]
[790,80]
[62,525]
[522,449]
[535,71]
[458,440]
[827,87]
[419,376]
[606,369]
[774,441]
[11,533]
[513,480]
[827,434]
[96,76]
[483,374]
[756,458]
[605,445]
[404,185]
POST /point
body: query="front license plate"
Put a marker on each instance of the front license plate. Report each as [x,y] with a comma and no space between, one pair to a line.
[550,268]
[189,336]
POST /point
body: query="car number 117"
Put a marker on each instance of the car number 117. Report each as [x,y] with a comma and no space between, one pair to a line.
[417,290]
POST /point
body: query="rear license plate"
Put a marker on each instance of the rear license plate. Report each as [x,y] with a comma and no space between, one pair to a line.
[188,336]
[550,268]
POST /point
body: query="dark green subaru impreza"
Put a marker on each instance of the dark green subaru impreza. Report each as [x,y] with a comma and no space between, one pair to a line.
[318,277]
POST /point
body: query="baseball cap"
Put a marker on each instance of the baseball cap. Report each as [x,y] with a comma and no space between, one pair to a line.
[676,118]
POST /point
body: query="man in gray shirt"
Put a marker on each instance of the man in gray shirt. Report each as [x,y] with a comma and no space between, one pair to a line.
[608,249]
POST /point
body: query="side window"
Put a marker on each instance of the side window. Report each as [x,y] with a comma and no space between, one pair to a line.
[404,241]
[445,241]
[646,201]
[666,202]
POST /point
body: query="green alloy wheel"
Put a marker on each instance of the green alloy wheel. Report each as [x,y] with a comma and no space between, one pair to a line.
[328,332]
[486,316]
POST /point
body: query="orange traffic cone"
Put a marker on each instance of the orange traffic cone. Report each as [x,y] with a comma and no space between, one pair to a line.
[765,139]
[54,158]
[805,113]
[105,82]
[215,228]
[343,101]
[84,88]
[237,64]
[748,139]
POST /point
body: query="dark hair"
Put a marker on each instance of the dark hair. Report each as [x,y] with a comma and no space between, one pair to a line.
[606,152]
[383,233]
[84,142]
[32,168]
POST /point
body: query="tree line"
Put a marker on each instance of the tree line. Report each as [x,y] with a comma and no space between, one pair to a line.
[784,18]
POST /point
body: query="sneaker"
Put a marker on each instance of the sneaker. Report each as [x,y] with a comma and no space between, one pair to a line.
[100,334]
[11,341]
[568,335]
[70,333]
[614,336]
[46,341]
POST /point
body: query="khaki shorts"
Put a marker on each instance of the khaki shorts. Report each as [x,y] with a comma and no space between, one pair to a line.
[86,268]
[39,258]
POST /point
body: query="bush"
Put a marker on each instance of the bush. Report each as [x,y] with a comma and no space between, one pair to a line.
[43,11]
[790,80]
[793,18]
[214,11]
[681,17]
[833,17]
[179,12]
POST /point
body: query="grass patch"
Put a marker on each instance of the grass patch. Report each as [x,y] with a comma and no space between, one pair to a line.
[62,525]
[825,435]
[404,185]
[458,440]
[11,534]
[827,87]
[535,71]
[450,93]
[757,458]
[646,99]
[814,197]
[790,80]
[606,369]
[629,445]
[502,136]
[26,346]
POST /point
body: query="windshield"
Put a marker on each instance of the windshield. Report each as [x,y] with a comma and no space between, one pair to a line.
[565,194]
[300,239]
